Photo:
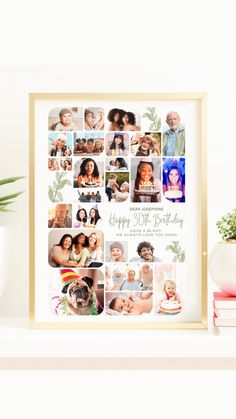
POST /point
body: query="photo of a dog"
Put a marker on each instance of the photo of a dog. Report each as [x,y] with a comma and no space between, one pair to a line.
[77,292]
[80,296]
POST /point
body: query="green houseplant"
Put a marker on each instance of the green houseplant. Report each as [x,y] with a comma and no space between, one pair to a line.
[227,226]
[222,261]
[5,201]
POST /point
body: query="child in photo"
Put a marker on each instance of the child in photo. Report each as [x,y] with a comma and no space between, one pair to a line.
[53,164]
[170,302]
[98,147]
[112,166]
[122,194]
[129,305]
[111,185]
[116,252]
[117,277]
[113,280]
[65,122]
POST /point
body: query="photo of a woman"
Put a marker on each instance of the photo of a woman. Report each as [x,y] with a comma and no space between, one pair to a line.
[117,144]
[114,117]
[94,258]
[94,217]
[174,179]
[145,186]
[60,253]
[81,218]
[129,122]
[89,175]
[79,250]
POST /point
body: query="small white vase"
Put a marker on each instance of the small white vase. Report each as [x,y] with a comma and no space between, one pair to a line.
[2,258]
[222,267]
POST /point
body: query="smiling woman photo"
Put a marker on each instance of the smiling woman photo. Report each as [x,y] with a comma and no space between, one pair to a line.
[89,175]
[61,252]
[94,258]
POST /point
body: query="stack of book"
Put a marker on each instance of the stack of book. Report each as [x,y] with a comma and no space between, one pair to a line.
[224,308]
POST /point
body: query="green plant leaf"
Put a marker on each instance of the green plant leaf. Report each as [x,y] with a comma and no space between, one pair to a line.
[62,184]
[50,194]
[60,196]
[55,184]
[5,210]
[7,197]
[172,248]
[68,182]
[58,176]
[10,180]
[158,124]
[3,204]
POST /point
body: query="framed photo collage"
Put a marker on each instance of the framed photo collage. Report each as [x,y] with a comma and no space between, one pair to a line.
[117,210]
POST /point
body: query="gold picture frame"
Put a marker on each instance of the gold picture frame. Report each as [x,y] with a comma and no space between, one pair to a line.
[189,274]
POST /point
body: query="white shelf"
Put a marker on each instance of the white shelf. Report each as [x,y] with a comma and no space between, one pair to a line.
[22,347]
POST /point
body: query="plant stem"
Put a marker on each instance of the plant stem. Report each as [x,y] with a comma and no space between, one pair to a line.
[56,190]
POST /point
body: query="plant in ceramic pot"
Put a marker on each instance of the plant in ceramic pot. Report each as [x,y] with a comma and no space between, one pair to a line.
[222,262]
[5,202]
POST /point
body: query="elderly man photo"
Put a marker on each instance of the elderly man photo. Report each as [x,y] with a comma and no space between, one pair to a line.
[61,217]
[174,138]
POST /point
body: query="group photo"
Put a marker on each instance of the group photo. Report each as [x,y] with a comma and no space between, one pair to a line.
[75,249]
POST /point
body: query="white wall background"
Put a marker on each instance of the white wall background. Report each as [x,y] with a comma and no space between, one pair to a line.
[158,46]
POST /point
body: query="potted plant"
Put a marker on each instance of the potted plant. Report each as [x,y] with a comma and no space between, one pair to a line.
[5,202]
[222,262]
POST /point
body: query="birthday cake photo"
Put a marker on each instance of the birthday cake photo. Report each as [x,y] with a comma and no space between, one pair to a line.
[147,188]
[170,307]
[173,194]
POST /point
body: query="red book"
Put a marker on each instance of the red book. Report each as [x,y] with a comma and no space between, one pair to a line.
[224,301]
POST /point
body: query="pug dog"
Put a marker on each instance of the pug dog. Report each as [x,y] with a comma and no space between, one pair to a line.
[79,296]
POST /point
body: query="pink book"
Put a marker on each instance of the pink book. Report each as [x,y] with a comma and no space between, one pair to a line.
[223,322]
[222,300]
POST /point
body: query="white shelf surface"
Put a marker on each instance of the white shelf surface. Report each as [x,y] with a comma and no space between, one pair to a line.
[22,347]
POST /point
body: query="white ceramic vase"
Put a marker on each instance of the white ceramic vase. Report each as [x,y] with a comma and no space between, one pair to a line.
[2,258]
[222,267]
